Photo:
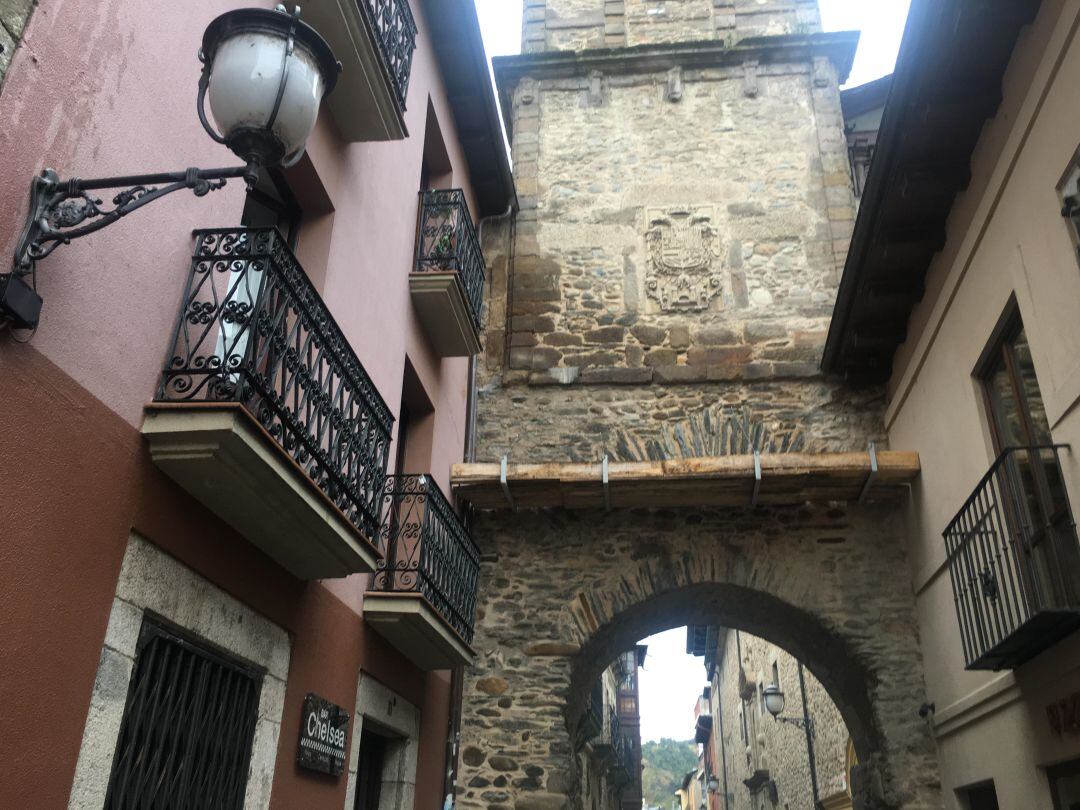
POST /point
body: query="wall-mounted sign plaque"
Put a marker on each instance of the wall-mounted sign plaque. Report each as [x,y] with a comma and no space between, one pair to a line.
[324,732]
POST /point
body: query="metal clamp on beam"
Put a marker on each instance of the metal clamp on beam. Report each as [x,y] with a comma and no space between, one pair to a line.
[872,451]
[505,484]
[607,490]
[757,479]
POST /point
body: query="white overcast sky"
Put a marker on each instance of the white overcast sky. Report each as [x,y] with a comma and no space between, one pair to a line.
[672,680]
[880,21]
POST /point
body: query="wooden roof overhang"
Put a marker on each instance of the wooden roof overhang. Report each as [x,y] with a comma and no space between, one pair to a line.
[454,30]
[946,85]
[770,479]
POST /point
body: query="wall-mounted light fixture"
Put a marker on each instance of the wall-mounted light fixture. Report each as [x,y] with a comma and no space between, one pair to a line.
[774,705]
[265,73]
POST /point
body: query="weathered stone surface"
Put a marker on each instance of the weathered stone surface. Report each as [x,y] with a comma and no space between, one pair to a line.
[472,756]
[501,763]
[649,335]
[616,376]
[492,686]
[837,606]
[551,648]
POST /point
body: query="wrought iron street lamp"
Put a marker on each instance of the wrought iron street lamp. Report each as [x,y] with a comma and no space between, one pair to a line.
[264,75]
[774,704]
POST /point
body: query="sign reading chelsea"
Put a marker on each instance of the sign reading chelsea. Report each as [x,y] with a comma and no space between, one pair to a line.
[324,729]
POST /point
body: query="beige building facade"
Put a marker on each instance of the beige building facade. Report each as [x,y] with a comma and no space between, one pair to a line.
[985,370]
[758,760]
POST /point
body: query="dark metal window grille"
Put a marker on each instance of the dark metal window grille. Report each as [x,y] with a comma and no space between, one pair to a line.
[189,724]
[254,331]
[428,551]
[1014,560]
[447,243]
[395,31]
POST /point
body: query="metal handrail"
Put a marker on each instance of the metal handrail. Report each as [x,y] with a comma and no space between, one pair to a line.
[446,240]
[253,330]
[395,30]
[428,551]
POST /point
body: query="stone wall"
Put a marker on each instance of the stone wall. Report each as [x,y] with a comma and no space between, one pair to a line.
[779,748]
[14,15]
[676,256]
[563,592]
[584,24]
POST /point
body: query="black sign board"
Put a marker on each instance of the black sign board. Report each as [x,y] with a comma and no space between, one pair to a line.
[324,734]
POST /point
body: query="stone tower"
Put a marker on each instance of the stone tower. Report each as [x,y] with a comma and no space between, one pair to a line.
[664,292]
[686,206]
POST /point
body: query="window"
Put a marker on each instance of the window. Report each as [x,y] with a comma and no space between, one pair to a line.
[981,797]
[188,725]
[1065,785]
[1018,420]
[416,426]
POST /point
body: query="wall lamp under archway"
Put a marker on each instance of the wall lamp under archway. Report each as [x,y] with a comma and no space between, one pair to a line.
[265,74]
[774,705]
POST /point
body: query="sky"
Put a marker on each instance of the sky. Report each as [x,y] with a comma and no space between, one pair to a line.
[880,21]
[669,685]
[672,680]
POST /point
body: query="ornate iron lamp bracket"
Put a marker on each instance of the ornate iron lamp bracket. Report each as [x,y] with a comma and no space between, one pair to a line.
[64,210]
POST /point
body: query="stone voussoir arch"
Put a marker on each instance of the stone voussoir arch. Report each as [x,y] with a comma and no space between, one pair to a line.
[562,593]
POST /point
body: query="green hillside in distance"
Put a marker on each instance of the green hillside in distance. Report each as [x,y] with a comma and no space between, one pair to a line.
[664,764]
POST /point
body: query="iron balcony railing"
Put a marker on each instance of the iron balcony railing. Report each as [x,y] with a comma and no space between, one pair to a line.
[592,724]
[253,330]
[428,551]
[1014,560]
[394,28]
[446,242]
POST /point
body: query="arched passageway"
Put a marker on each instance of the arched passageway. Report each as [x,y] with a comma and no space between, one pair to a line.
[563,593]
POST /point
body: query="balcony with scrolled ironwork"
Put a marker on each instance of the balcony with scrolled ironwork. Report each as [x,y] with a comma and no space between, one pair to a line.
[1014,560]
[375,41]
[423,597]
[265,414]
[447,282]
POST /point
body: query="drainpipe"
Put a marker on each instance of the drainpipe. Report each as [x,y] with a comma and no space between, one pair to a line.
[723,748]
[809,736]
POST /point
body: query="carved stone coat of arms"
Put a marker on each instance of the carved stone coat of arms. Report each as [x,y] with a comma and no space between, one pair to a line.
[683,273]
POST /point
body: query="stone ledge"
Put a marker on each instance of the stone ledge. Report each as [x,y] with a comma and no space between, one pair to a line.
[665,375]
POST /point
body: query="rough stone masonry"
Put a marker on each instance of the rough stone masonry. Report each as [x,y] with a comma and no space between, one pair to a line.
[663,292]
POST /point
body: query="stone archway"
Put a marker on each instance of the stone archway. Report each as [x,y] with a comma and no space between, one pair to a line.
[563,592]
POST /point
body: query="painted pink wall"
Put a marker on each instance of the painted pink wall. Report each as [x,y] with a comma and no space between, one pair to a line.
[113,92]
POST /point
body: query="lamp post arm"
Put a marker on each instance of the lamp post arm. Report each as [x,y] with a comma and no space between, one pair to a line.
[60,209]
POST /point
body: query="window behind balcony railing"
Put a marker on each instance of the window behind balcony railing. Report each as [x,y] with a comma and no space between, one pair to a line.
[254,331]
[1013,554]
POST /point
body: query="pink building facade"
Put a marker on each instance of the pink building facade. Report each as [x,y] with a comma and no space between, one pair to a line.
[201,530]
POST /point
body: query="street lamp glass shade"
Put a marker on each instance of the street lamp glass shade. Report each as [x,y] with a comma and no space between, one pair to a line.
[266,75]
[774,700]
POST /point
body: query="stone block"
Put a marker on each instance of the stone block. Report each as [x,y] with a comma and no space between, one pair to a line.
[563,339]
[718,355]
[532,323]
[757,371]
[669,375]
[661,357]
[617,376]
[523,339]
[715,336]
[679,337]
[796,370]
[606,334]
[649,335]
[761,331]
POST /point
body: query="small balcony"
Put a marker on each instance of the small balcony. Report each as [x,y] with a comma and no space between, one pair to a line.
[423,597]
[375,41]
[1014,561]
[265,414]
[447,283]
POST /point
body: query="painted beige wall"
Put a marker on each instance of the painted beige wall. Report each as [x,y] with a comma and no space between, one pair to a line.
[1005,237]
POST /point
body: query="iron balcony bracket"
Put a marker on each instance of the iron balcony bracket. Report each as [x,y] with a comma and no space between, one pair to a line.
[64,210]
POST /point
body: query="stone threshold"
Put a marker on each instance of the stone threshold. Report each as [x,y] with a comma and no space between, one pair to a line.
[771,479]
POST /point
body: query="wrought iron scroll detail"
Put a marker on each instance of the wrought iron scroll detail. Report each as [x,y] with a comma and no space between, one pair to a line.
[64,210]
[395,31]
[447,243]
[428,551]
[253,330]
